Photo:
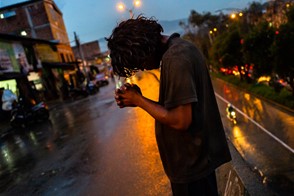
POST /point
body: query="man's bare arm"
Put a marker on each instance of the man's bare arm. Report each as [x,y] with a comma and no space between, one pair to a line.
[178,118]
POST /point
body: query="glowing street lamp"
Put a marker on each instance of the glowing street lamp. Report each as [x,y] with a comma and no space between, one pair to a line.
[122,7]
[137,3]
[233,16]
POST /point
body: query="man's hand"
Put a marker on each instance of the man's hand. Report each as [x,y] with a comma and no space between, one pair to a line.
[128,95]
[178,118]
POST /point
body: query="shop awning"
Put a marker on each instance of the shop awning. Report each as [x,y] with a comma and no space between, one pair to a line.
[10,75]
[65,66]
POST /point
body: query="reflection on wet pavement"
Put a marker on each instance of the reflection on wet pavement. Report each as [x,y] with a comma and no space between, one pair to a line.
[18,149]
[88,147]
[265,155]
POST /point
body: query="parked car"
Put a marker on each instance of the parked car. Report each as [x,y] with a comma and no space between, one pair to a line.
[101,80]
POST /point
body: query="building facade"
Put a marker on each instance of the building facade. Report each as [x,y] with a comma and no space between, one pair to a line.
[32,60]
[38,19]
[89,52]
[33,34]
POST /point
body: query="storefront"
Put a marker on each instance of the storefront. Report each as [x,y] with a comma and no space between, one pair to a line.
[38,63]
[19,85]
[59,76]
[15,67]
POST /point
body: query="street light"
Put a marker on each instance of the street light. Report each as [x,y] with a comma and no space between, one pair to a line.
[233,15]
[122,7]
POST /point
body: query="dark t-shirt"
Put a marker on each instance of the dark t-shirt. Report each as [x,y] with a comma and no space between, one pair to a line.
[190,155]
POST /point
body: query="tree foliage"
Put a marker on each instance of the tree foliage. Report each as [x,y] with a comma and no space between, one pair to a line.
[284,50]
[248,40]
[256,49]
[254,12]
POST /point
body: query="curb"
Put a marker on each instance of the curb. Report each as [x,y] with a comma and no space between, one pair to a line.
[282,107]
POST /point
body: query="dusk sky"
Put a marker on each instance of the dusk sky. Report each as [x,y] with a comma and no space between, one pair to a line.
[95,19]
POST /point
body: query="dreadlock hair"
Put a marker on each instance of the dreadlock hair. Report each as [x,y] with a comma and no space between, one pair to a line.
[132,42]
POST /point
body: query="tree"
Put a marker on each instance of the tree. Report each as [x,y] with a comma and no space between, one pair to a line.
[226,49]
[284,50]
[256,49]
[254,12]
[195,18]
[203,23]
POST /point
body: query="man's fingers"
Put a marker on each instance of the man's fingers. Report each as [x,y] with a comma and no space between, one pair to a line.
[120,103]
[127,85]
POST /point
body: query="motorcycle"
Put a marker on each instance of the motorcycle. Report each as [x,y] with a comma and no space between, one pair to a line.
[92,88]
[22,116]
[231,114]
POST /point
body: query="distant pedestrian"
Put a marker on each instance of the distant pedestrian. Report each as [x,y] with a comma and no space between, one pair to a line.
[24,68]
[80,77]
[9,99]
[189,131]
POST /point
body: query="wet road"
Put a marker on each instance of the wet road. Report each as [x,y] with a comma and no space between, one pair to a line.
[91,147]
[264,136]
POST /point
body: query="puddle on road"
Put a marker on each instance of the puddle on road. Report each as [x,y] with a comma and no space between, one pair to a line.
[24,151]
[20,150]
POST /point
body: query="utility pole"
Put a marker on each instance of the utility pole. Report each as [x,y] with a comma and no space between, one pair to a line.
[81,53]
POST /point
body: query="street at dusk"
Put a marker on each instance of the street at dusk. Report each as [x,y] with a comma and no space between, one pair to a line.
[146,98]
[91,147]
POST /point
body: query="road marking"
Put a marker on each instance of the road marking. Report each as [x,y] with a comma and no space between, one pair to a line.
[254,122]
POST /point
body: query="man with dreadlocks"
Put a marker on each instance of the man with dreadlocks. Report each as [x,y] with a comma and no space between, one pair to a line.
[189,131]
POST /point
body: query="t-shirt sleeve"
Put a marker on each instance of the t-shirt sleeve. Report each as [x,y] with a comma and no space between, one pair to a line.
[180,83]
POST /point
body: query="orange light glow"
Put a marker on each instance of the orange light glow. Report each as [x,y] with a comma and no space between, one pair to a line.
[137,3]
[233,16]
[120,6]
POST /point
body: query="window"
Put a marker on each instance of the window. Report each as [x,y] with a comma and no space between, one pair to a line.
[62,57]
[7,14]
